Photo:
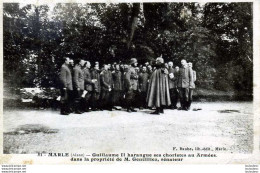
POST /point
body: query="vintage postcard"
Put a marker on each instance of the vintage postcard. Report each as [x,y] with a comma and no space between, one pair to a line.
[163,82]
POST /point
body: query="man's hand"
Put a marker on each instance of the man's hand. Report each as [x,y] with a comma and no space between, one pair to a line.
[171,75]
[165,71]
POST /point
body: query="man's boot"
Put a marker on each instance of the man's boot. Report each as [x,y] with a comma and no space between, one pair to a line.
[77,108]
[156,112]
[132,109]
[161,110]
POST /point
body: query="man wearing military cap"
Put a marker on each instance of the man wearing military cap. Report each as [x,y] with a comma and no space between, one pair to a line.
[127,90]
[158,94]
[133,80]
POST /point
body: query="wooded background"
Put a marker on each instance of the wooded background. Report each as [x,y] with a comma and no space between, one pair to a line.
[216,37]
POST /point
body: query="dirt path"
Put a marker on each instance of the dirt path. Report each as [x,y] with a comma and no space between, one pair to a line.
[118,131]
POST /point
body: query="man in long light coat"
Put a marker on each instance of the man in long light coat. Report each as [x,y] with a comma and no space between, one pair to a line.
[192,85]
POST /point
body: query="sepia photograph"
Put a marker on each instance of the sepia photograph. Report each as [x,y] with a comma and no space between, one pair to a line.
[129,80]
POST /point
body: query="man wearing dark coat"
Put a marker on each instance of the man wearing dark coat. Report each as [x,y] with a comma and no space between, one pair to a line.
[172,85]
[106,88]
[128,90]
[133,81]
[66,87]
[117,86]
[143,85]
[78,81]
[149,70]
[158,94]
[97,88]
[185,79]
[88,82]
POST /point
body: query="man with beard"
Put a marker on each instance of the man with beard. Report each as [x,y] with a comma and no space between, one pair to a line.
[117,86]
[78,81]
[143,85]
[172,86]
[97,88]
[185,78]
[66,87]
[106,87]
[158,94]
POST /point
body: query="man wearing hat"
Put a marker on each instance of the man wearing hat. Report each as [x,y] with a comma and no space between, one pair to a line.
[127,90]
[158,94]
[143,85]
[133,79]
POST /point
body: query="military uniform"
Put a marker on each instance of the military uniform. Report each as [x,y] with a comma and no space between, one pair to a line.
[134,85]
[143,86]
[96,90]
[66,88]
[191,89]
[173,88]
[128,90]
[78,81]
[185,78]
[88,87]
[117,88]
[106,86]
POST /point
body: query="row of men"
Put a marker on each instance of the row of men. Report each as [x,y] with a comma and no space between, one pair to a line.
[123,85]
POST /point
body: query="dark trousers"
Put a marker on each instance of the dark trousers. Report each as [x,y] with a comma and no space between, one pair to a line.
[190,98]
[116,97]
[184,97]
[142,99]
[174,97]
[135,100]
[86,101]
[105,100]
[65,101]
[78,100]
[95,103]
[129,97]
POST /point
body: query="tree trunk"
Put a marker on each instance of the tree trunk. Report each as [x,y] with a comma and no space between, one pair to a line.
[135,12]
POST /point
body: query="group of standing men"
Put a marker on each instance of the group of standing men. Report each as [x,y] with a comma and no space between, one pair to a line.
[125,85]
